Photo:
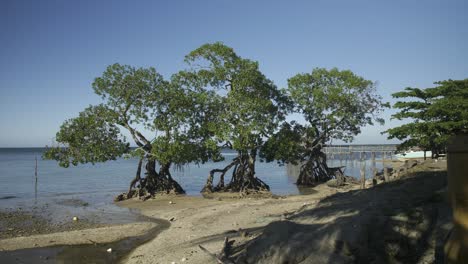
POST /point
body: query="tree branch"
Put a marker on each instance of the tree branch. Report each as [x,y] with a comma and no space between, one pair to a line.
[132,132]
[136,135]
[223,171]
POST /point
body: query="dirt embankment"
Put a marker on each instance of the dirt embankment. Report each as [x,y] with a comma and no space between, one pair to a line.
[404,221]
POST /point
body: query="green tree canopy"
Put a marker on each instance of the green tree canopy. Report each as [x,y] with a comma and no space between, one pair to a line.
[91,137]
[434,115]
[335,105]
[252,107]
[176,117]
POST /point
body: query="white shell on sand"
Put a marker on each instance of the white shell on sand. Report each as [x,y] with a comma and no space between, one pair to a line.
[109,250]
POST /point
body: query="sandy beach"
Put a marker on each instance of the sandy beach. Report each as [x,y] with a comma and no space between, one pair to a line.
[328,224]
[199,221]
[275,230]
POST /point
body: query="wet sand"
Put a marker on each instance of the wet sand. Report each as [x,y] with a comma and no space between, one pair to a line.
[84,246]
[41,234]
[14,223]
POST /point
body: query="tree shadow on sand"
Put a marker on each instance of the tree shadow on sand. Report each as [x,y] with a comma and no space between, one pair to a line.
[403,221]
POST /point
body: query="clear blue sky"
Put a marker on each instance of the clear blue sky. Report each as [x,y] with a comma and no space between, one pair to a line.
[52,50]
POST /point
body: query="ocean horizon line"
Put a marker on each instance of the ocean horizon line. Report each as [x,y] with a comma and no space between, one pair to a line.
[334,145]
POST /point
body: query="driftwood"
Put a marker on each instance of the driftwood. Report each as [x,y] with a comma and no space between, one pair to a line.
[223,257]
[339,178]
[338,173]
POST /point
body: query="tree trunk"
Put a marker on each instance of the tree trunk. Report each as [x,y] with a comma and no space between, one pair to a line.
[153,183]
[243,177]
[168,184]
[136,179]
[161,182]
[314,170]
[208,188]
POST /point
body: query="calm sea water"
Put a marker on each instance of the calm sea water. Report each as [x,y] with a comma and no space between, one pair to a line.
[98,184]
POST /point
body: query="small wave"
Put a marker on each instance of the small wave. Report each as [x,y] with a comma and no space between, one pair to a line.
[8,197]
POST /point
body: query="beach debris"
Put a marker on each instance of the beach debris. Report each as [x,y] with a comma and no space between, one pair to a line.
[172,219]
[171,202]
[243,233]
[109,250]
[93,242]
[75,218]
[223,257]
[183,259]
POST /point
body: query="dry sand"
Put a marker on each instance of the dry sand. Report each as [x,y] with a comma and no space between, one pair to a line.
[329,226]
[198,221]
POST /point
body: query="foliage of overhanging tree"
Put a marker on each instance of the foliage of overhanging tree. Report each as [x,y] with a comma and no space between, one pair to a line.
[335,105]
[251,109]
[91,137]
[434,113]
[176,116]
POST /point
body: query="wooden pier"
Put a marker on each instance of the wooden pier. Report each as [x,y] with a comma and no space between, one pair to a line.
[349,149]
[360,152]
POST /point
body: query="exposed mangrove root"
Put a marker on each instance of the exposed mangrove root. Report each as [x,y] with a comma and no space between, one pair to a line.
[315,170]
[243,178]
[152,184]
[209,182]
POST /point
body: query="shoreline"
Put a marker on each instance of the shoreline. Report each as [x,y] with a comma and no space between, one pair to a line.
[49,241]
[255,227]
[201,221]
[19,223]
[80,241]
[190,221]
